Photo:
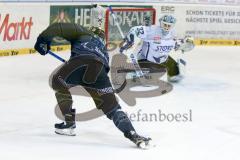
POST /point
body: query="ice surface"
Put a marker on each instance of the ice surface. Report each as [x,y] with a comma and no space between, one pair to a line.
[211,90]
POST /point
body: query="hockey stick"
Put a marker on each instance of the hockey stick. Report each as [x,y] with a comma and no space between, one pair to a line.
[116,21]
[138,70]
[56,56]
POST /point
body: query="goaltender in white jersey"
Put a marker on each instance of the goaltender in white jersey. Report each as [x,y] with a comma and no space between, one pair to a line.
[154,43]
[156,46]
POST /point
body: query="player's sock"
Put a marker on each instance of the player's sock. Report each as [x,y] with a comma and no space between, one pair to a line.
[120,119]
[67,127]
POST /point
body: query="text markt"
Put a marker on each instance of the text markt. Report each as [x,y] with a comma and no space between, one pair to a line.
[12,30]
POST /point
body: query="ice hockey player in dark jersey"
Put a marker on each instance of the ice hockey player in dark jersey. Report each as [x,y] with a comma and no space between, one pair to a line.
[88,67]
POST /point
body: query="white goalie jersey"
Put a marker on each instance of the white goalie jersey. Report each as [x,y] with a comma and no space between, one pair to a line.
[156,46]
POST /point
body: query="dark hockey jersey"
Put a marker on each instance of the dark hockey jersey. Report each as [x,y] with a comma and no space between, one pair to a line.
[82,40]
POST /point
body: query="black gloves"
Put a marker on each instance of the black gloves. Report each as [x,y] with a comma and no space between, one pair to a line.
[42,46]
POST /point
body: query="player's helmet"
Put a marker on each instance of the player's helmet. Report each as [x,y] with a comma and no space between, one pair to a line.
[167,22]
[98,31]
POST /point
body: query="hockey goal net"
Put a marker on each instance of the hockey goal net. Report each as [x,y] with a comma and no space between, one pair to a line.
[127,18]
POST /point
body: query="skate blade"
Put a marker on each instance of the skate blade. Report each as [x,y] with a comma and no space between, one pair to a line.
[66,132]
[145,145]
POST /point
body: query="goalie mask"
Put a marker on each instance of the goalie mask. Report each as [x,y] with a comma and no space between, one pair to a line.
[166,23]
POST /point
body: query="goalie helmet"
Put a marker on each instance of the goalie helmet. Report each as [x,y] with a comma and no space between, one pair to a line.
[166,23]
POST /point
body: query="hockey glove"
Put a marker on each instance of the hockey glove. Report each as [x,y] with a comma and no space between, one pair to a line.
[42,46]
[185,44]
[127,43]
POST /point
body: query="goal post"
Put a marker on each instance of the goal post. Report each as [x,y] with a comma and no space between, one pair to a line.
[127,18]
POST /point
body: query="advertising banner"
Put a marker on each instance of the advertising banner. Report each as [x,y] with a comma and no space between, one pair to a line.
[19,29]
[208,24]
[128,16]
[204,22]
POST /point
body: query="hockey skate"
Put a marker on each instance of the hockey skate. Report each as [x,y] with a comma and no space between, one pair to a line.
[67,128]
[175,79]
[140,141]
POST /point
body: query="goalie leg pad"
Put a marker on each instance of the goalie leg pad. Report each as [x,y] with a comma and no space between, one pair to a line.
[181,67]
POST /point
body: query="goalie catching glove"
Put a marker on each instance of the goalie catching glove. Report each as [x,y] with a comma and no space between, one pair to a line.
[186,44]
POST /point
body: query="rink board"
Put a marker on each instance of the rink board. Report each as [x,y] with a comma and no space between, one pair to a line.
[210,25]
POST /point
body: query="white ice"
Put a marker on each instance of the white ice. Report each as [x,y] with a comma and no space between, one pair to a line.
[211,90]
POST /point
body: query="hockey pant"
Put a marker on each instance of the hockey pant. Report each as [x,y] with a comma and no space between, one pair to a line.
[170,65]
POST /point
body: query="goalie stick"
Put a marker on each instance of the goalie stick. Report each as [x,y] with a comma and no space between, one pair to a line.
[138,70]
